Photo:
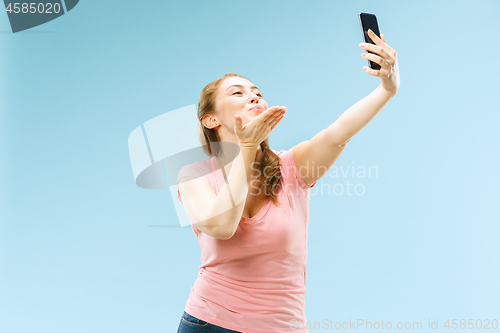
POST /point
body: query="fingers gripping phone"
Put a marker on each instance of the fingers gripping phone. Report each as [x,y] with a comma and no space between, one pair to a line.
[369,21]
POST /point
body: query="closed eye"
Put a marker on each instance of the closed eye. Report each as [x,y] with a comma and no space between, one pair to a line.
[239,92]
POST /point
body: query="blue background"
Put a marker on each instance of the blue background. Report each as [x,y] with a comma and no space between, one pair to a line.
[84,249]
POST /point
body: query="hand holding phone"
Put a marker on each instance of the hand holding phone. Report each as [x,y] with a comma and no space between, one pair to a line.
[382,59]
[369,21]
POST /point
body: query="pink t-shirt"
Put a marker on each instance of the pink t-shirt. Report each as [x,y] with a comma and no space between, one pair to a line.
[255,282]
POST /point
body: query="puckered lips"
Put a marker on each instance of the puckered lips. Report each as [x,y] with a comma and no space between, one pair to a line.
[257,108]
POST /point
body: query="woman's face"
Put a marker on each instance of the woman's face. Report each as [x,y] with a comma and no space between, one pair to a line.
[235,96]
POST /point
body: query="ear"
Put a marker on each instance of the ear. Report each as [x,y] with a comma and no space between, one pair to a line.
[209,122]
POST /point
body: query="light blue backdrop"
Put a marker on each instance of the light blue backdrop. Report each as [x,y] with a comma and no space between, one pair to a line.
[78,249]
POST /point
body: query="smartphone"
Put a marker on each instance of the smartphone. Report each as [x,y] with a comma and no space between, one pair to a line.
[369,21]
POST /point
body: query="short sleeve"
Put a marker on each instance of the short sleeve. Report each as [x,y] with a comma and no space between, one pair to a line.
[193,170]
[290,169]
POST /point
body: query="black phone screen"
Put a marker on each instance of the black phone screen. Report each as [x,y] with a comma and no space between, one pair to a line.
[369,21]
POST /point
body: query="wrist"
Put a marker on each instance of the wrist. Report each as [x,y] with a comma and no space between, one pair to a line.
[386,92]
[249,147]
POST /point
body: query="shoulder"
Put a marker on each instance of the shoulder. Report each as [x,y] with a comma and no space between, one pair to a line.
[284,156]
[197,168]
[285,161]
[278,152]
[289,169]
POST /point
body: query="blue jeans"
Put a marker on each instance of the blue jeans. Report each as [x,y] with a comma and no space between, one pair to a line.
[190,324]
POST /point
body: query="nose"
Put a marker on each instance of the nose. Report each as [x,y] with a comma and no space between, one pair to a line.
[254,98]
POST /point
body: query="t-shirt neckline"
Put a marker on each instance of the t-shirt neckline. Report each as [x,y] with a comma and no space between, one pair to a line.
[261,213]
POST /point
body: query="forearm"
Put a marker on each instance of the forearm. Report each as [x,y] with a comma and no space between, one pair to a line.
[358,116]
[230,202]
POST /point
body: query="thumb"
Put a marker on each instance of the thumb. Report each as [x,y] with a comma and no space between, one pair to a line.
[237,121]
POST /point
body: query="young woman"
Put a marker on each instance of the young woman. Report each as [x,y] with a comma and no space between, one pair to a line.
[251,213]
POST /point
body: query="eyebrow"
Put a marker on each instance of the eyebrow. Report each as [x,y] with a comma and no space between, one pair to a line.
[240,86]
